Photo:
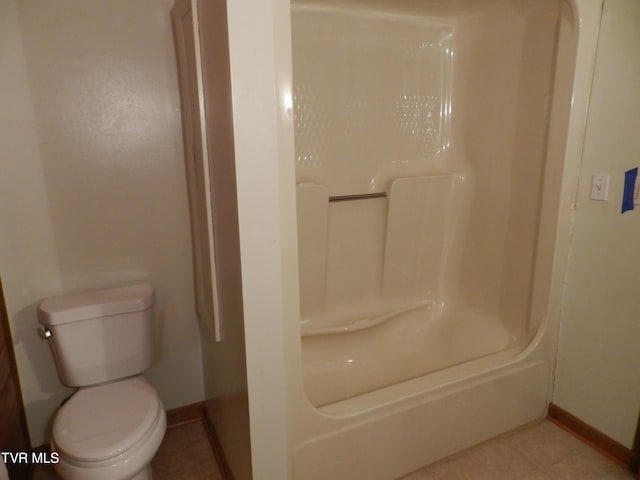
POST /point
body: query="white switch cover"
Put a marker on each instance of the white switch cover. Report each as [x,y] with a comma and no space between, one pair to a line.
[600,186]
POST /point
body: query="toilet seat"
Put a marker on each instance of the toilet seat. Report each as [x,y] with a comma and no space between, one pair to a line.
[103,422]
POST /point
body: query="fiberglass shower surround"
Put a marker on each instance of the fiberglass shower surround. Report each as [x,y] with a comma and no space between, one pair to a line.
[420,151]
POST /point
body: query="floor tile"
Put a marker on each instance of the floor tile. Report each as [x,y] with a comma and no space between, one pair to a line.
[186,454]
[538,452]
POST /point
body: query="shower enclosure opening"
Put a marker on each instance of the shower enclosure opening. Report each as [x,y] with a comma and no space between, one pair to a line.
[420,135]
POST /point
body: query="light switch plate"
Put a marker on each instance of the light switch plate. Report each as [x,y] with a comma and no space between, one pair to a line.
[600,186]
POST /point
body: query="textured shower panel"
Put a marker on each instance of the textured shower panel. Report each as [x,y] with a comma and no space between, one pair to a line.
[371,97]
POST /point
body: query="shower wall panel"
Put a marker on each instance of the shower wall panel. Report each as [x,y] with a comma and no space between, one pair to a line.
[420,131]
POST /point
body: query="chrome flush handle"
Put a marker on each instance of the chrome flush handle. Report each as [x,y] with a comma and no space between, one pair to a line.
[45,333]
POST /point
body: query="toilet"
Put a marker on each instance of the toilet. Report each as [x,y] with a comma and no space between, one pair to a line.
[102,341]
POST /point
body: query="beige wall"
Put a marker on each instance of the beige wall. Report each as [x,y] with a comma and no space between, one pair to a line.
[599,352]
[92,187]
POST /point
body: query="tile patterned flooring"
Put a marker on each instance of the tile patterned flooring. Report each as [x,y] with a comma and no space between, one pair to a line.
[542,451]
[186,454]
[538,452]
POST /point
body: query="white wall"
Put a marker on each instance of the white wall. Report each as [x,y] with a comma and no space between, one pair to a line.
[92,187]
[599,351]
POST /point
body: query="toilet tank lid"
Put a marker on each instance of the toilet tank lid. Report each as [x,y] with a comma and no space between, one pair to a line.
[92,304]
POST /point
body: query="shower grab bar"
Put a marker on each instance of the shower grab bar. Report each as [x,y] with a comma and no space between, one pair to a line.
[359,196]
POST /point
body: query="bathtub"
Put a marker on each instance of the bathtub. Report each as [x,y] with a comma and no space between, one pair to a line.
[434,188]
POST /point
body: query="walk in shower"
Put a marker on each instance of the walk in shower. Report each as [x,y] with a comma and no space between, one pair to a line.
[420,133]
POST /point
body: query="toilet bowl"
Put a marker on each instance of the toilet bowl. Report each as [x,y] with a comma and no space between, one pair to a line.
[101,341]
[109,432]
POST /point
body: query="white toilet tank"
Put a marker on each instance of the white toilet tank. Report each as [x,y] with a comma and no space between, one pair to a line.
[100,335]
